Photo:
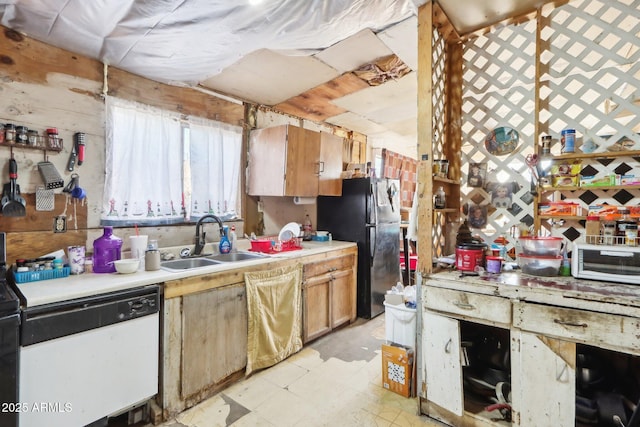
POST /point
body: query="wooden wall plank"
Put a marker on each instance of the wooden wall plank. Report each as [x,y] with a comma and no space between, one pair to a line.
[315,104]
[188,101]
[425,138]
[30,61]
[32,235]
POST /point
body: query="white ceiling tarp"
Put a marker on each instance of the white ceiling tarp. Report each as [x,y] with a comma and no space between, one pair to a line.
[188,41]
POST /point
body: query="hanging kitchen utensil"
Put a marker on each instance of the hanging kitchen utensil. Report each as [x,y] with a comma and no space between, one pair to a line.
[13,204]
[72,158]
[79,145]
[45,199]
[50,175]
[73,183]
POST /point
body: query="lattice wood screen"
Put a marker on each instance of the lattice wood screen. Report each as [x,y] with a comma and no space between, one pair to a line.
[439,114]
[589,74]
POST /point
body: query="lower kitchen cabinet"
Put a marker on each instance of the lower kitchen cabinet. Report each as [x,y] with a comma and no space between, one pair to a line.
[214,338]
[204,340]
[205,322]
[559,362]
[328,295]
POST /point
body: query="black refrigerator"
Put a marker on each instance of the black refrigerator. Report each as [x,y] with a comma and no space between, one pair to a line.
[368,213]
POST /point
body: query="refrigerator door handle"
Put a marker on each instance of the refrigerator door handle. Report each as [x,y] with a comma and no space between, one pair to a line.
[373,240]
[373,204]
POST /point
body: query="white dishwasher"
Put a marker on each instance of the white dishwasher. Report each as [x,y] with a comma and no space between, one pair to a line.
[84,360]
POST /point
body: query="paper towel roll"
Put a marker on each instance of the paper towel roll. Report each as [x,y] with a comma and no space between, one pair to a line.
[304,200]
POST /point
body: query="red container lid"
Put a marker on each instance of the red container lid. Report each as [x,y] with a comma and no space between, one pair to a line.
[593,218]
[494,258]
[53,131]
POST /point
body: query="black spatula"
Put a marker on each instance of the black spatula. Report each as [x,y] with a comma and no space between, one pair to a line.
[13,204]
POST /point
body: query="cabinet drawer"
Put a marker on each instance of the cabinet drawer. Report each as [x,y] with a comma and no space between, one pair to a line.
[466,304]
[598,329]
[327,266]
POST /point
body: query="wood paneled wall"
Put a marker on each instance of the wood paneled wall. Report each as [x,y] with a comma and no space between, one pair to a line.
[44,86]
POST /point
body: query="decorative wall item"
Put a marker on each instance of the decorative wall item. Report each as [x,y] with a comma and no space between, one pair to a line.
[501,196]
[477,216]
[502,140]
[397,166]
[477,175]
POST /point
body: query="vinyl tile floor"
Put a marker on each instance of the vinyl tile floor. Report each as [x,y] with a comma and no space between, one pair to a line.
[334,381]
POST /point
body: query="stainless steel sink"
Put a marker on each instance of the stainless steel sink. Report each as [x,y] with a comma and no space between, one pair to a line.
[235,256]
[187,263]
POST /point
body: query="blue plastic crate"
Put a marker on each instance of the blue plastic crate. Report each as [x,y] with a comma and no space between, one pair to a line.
[35,276]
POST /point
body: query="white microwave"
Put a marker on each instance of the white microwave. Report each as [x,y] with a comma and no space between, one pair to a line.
[611,263]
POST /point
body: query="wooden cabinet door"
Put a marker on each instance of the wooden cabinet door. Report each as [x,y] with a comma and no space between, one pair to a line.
[316,307]
[214,337]
[303,156]
[543,380]
[330,180]
[442,367]
[341,297]
[267,161]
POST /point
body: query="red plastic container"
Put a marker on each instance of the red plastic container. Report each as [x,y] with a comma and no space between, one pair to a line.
[413,261]
[262,245]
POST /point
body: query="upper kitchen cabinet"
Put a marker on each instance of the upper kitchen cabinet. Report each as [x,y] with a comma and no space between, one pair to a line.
[329,180]
[290,161]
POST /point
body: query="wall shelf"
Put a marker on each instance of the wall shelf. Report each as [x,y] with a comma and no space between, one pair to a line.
[605,155]
[600,187]
[564,217]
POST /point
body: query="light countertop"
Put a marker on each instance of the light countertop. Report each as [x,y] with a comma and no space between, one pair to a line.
[567,292]
[88,284]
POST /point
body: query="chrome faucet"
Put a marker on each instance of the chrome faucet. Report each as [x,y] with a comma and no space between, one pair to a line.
[200,237]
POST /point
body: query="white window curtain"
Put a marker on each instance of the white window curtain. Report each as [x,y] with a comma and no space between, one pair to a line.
[215,156]
[163,168]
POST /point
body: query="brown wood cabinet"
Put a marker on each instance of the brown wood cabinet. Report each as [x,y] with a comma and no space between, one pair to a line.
[329,180]
[328,295]
[288,160]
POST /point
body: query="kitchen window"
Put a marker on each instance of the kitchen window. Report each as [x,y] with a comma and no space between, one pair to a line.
[166,168]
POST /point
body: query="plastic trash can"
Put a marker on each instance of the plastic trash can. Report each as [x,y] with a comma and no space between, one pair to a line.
[400,324]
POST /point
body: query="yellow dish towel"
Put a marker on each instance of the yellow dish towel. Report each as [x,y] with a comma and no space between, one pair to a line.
[274,303]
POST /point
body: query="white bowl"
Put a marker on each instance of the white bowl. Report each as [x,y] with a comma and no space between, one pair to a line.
[127,266]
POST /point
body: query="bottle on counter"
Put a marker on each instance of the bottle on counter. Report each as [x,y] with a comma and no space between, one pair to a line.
[233,239]
[565,266]
[307,228]
[224,246]
[106,250]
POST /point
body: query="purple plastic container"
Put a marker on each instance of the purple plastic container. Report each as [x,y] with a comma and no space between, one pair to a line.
[106,250]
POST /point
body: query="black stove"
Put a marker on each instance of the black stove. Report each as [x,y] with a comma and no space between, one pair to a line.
[9,302]
[9,346]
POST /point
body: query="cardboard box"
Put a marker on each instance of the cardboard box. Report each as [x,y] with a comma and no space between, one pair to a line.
[629,180]
[397,369]
[602,210]
[560,209]
[592,181]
